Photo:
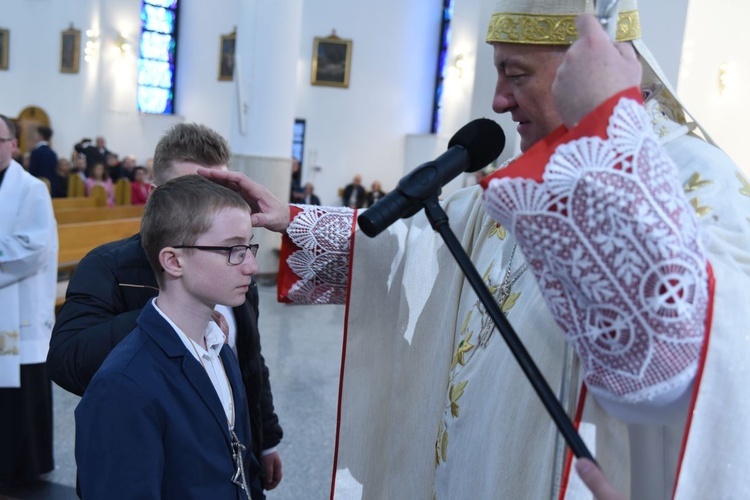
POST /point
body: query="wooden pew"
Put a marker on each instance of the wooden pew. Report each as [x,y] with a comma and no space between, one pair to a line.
[77,202]
[78,239]
[93,214]
[123,192]
[98,198]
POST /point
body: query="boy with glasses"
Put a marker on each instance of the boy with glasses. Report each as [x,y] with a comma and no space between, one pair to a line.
[113,282]
[166,414]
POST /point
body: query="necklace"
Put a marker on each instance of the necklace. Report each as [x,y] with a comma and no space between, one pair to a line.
[238,448]
[509,279]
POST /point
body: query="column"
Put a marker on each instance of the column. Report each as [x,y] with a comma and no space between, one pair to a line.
[267,51]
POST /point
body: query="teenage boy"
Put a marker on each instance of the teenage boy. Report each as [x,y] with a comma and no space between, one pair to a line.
[166,415]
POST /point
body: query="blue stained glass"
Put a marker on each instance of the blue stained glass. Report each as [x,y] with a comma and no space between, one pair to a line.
[154,73]
[157,19]
[169,4]
[445,37]
[152,100]
[156,61]
[156,46]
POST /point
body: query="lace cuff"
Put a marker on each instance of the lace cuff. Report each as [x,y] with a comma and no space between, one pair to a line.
[614,245]
[315,253]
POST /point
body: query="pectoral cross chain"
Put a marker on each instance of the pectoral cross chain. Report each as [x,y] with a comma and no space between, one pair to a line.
[238,477]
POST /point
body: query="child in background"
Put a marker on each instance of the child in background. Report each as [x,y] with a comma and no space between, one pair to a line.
[99,177]
[139,189]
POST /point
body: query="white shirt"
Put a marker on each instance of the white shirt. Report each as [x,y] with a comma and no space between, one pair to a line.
[209,359]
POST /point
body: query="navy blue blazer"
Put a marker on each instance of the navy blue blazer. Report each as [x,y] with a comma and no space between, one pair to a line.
[43,162]
[151,425]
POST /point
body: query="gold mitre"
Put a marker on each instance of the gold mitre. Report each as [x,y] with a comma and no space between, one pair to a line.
[552,22]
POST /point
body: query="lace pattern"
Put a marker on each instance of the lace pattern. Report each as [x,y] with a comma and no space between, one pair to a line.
[615,247]
[323,235]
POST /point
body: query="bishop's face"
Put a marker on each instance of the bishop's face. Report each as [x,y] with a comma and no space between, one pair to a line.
[524,88]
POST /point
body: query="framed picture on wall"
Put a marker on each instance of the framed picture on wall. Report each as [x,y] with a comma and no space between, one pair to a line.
[332,57]
[70,50]
[4,46]
[226,56]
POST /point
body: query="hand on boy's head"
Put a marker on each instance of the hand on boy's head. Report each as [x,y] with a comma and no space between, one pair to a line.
[268,211]
[593,70]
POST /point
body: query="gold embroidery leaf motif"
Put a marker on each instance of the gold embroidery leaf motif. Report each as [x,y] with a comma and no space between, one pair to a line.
[700,210]
[745,190]
[463,347]
[455,393]
[9,343]
[695,182]
[499,231]
[510,301]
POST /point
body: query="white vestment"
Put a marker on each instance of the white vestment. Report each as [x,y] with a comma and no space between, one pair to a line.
[28,272]
[433,405]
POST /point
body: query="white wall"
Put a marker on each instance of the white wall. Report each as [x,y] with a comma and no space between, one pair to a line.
[716,32]
[362,129]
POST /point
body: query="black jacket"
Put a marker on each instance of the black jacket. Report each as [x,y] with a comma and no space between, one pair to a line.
[105,295]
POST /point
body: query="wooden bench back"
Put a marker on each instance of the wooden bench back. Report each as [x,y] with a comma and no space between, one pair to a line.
[93,214]
[78,239]
[123,192]
[75,186]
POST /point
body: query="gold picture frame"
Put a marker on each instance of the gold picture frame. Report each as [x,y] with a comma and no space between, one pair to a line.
[4,48]
[70,50]
[227,46]
[331,63]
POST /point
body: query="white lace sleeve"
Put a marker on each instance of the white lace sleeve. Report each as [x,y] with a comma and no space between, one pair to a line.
[323,237]
[614,245]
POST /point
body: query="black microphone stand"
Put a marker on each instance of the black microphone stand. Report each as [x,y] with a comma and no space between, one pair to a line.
[439,221]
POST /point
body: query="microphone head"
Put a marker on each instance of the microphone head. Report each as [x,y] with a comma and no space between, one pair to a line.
[483,140]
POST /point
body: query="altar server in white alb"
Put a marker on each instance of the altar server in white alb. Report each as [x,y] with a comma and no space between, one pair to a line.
[28,286]
[617,244]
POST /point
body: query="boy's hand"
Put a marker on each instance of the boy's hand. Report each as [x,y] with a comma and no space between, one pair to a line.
[271,470]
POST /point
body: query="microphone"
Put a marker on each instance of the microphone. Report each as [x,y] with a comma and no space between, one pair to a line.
[472,148]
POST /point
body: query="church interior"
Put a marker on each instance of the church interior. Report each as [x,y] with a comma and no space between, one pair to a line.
[402,81]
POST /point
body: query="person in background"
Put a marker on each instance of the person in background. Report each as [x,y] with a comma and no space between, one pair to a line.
[114,168]
[43,159]
[128,165]
[166,415]
[375,194]
[139,189]
[114,282]
[296,192]
[310,197]
[59,183]
[28,282]
[100,177]
[354,194]
[94,153]
[78,166]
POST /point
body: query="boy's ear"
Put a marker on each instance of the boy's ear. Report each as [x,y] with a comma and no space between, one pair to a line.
[170,262]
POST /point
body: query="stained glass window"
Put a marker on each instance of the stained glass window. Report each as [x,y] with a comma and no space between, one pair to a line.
[157,56]
[445,38]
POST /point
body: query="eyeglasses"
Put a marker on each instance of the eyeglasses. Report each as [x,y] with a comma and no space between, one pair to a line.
[6,139]
[237,253]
